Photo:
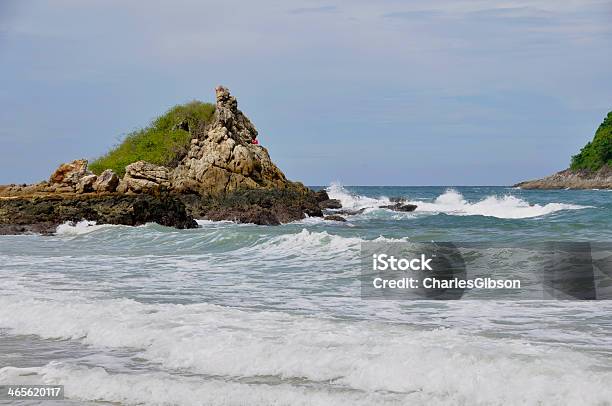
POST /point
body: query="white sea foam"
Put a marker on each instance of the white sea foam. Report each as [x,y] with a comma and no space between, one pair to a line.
[207,223]
[81,227]
[506,207]
[352,201]
[310,357]
[309,245]
[87,383]
[306,240]
[310,221]
[453,203]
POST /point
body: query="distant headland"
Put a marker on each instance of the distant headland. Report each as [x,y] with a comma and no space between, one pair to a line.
[591,168]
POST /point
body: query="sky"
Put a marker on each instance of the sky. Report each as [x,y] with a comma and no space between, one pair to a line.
[388,92]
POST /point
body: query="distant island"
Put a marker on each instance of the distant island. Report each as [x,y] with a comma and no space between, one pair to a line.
[591,168]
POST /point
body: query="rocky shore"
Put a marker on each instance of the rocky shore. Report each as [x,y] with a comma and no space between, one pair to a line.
[573,179]
[42,214]
[225,175]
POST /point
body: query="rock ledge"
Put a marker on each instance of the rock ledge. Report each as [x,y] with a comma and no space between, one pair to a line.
[569,179]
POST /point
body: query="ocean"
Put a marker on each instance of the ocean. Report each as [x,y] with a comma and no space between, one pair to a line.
[239,314]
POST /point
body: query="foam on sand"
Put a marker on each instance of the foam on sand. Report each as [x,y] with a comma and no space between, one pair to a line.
[157,388]
[303,355]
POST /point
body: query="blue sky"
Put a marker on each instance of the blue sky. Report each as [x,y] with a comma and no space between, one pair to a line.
[439,92]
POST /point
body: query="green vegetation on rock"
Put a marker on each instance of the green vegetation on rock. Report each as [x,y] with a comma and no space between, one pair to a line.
[598,152]
[164,142]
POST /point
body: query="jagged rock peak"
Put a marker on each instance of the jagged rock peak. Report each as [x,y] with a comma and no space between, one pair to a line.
[225,157]
[227,115]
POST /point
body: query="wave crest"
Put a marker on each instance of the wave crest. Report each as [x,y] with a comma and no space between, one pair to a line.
[81,227]
[370,356]
[505,207]
[454,203]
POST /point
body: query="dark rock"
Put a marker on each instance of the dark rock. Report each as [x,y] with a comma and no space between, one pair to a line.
[257,206]
[321,195]
[400,207]
[330,204]
[44,228]
[348,212]
[253,214]
[334,217]
[44,213]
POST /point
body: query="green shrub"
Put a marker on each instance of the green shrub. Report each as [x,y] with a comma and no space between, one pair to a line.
[164,142]
[598,152]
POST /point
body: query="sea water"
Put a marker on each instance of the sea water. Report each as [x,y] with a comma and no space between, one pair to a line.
[235,314]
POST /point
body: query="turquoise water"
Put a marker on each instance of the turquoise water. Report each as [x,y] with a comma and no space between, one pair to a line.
[245,314]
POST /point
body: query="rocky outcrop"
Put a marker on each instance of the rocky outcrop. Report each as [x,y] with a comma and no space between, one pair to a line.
[42,214]
[573,179]
[330,204]
[223,157]
[106,182]
[334,217]
[86,184]
[225,175]
[68,178]
[144,177]
[399,204]
[325,202]
[70,173]
[73,177]
[257,206]
[403,207]
[347,212]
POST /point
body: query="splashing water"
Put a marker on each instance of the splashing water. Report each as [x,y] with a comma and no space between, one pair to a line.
[452,202]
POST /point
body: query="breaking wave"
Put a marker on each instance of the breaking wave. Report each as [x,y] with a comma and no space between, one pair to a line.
[275,357]
[506,207]
[78,228]
[452,202]
[352,201]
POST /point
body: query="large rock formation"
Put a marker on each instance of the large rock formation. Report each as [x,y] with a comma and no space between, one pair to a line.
[144,177]
[225,175]
[223,157]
